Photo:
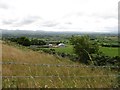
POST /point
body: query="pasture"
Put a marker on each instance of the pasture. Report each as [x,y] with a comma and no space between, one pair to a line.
[26,68]
[109,51]
[68,49]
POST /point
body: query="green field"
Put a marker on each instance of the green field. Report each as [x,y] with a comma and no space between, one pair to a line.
[109,51]
[68,49]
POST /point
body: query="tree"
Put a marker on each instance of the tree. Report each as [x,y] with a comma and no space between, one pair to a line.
[34,42]
[83,47]
[23,41]
[37,42]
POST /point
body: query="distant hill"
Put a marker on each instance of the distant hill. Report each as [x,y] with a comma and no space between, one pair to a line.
[41,33]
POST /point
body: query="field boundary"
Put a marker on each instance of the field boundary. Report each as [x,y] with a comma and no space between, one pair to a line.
[60,65]
[53,76]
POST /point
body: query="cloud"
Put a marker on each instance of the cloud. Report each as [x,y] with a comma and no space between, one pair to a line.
[105,16]
[4,6]
[68,23]
[20,22]
[26,21]
[8,22]
[112,29]
[59,14]
[50,24]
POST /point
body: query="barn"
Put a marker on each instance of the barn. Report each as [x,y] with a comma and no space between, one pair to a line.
[61,45]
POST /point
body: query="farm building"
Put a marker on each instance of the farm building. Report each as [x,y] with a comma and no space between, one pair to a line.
[50,45]
[61,45]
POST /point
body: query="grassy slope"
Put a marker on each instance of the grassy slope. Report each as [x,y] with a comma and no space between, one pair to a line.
[15,54]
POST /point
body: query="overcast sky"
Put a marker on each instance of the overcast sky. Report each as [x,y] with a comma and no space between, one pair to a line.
[60,15]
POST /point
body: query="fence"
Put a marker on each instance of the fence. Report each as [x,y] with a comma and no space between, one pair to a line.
[59,65]
[53,76]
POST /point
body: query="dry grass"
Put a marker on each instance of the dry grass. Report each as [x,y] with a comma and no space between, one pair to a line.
[12,53]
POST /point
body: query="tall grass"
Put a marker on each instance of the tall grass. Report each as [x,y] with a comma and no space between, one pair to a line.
[89,79]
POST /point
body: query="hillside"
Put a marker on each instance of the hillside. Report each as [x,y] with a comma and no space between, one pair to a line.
[40,70]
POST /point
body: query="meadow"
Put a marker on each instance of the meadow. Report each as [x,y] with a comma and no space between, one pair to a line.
[108,51]
[68,49]
[24,68]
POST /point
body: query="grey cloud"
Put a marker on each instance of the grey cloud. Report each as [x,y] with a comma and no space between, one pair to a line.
[29,20]
[104,16]
[108,17]
[4,6]
[50,24]
[26,21]
[68,23]
[8,22]
[17,22]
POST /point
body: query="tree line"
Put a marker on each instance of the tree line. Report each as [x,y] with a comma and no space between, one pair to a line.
[27,42]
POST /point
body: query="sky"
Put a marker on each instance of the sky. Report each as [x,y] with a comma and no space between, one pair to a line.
[59,15]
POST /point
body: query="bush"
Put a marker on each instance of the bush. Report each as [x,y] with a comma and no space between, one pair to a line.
[37,42]
[101,60]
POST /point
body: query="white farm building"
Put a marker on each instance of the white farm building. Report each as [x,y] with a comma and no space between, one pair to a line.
[61,45]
